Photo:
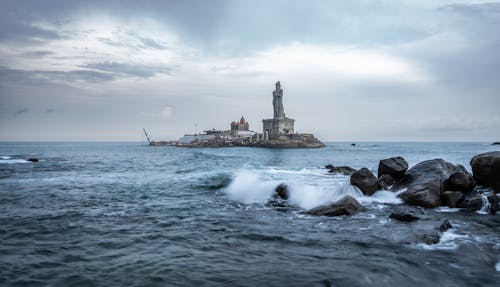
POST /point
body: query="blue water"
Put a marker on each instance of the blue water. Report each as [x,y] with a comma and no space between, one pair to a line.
[115,214]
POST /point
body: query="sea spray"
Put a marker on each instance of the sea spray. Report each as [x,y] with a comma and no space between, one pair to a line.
[306,191]
[248,187]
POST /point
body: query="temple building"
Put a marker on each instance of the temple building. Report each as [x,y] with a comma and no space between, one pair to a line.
[241,125]
[279,124]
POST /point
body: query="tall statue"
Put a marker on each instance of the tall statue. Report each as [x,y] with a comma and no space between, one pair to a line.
[279,112]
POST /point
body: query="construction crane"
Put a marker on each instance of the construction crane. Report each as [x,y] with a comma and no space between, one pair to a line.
[147,137]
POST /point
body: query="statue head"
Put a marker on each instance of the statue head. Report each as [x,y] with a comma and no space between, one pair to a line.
[278,85]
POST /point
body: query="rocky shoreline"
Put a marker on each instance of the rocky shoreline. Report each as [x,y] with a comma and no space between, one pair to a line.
[429,184]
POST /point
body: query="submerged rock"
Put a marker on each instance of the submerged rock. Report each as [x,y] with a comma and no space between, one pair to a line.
[345,170]
[433,236]
[486,169]
[365,180]
[451,198]
[32,159]
[424,182]
[394,166]
[347,205]
[405,217]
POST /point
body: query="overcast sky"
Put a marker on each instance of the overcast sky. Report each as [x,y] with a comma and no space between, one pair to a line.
[351,70]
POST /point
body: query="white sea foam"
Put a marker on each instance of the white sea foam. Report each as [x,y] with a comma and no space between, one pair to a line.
[381,196]
[486,205]
[497,266]
[4,157]
[248,187]
[12,161]
[447,209]
[447,241]
[307,188]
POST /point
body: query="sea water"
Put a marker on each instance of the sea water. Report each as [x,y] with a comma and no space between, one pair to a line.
[115,214]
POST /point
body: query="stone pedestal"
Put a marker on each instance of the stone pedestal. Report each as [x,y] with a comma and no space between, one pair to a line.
[276,127]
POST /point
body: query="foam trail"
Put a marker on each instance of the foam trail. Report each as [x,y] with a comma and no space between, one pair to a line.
[308,196]
[486,205]
[12,161]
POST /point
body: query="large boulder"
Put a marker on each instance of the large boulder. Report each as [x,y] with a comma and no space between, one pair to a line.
[422,184]
[486,169]
[472,201]
[347,205]
[394,166]
[365,180]
[451,198]
[460,181]
[385,181]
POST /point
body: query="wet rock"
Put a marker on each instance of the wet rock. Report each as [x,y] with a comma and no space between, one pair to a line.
[394,166]
[424,182]
[345,206]
[281,191]
[385,181]
[32,159]
[451,198]
[494,201]
[345,170]
[496,143]
[405,217]
[460,181]
[365,180]
[434,235]
[473,201]
[486,169]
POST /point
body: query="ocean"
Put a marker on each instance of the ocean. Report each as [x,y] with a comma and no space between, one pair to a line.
[126,214]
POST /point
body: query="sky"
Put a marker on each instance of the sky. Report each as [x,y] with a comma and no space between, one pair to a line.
[350,70]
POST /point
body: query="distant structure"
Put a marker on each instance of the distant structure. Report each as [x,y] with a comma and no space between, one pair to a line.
[241,125]
[279,124]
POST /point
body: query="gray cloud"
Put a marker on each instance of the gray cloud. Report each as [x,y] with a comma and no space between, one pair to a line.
[124,69]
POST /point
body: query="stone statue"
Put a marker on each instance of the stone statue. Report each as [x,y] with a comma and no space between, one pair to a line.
[279,112]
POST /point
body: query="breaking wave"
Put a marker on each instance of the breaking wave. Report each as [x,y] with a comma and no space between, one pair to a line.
[257,186]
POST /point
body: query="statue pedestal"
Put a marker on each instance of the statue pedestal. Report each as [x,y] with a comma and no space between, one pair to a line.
[276,127]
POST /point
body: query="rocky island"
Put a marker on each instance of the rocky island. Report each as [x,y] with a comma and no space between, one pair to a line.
[278,132]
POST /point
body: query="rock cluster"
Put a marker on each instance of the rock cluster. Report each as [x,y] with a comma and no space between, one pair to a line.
[433,183]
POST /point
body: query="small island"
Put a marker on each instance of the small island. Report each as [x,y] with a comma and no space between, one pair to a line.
[278,132]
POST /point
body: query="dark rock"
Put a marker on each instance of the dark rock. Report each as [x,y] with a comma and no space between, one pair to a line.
[32,159]
[353,144]
[433,236]
[385,181]
[394,166]
[460,181]
[329,166]
[345,170]
[281,191]
[405,217]
[451,198]
[347,205]
[486,169]
[424,182]
[445,226]
[473,201]
[496,143]
[494,201]
[365,180]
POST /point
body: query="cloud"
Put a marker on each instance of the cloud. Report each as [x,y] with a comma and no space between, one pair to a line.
[167,111]
[21,111]
[124,69]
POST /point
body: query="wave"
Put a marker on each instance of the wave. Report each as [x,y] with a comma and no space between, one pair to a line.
[448,241]
[307,188]
[9,160]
